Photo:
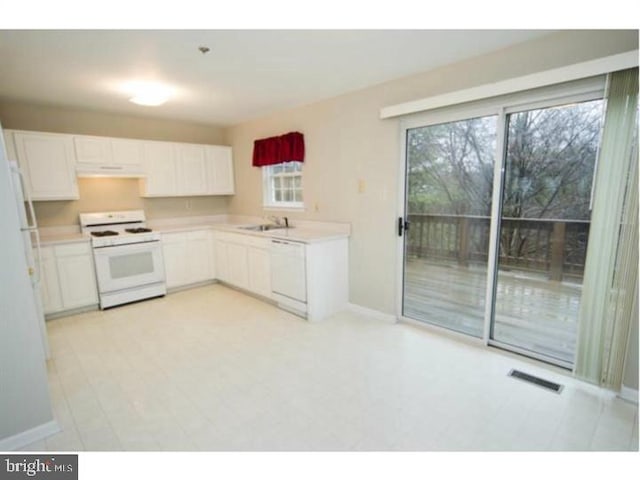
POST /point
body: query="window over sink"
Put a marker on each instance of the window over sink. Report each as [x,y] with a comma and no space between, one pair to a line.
[282,185]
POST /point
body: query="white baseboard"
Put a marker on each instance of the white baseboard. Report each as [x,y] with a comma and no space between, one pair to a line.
[369,312]
[29,436]
[629,394]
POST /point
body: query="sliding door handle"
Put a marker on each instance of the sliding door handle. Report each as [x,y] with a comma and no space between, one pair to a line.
[403,226]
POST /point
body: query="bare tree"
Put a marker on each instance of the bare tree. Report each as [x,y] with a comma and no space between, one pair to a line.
[550,157]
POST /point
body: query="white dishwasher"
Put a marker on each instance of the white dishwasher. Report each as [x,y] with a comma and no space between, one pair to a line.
[288,275]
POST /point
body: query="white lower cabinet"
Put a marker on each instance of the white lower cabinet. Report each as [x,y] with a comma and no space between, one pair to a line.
[259,266]
[244,262]
[174,250]
[237,267]
[252,263]
[67,277]
[221,256]
[198,256]
[187,257]
[327,272]
[68,281]
[49,284]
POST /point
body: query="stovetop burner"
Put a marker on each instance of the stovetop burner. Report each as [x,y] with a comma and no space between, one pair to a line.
[137,230]
[104,233]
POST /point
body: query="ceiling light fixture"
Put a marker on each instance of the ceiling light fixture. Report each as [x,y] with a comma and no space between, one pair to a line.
[148,94]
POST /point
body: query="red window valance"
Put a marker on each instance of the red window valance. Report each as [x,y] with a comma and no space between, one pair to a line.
[284,148]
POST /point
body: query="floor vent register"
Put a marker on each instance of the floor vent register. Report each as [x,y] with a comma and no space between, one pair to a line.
[541,382]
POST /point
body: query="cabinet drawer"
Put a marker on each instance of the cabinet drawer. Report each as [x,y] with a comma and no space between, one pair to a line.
[72,249]
[257,242]
[231,237]
[198,235]
[174,237]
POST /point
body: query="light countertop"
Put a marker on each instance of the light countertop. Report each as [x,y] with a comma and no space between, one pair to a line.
[301,231]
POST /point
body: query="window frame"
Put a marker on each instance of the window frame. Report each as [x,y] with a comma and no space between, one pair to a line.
[269,175]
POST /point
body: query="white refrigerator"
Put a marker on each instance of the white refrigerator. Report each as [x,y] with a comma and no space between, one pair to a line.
[30,237]
[25,405]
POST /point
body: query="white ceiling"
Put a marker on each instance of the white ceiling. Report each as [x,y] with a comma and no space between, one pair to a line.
[246,74]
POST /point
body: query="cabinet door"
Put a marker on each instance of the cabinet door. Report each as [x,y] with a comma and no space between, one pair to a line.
[222,260]
[77,281]
[259,271]
[93,150]
[219,170]
[48,164]
[10,146]
[127,152]
[197,253]
[192,170]
[238,269]
[49,284]
[160,167]
[174,250]
[213,260]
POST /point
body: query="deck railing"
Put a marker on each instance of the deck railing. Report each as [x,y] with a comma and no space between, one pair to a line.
[555,247]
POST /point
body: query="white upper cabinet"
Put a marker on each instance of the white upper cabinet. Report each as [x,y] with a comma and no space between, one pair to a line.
[52,161]
[127,152]
[160,167]
[191,169]
[108,156]
[183,169]
[92,150]
[48,163]
[219,170]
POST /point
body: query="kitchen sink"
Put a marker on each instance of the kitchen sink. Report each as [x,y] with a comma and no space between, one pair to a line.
[263,228]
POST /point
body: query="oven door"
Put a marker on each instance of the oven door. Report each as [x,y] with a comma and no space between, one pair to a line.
[126,266]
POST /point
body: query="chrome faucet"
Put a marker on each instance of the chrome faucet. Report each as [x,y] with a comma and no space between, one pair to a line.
[274,219]
[279,221]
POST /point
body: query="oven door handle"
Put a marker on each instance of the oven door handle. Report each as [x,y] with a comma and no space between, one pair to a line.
[127,248]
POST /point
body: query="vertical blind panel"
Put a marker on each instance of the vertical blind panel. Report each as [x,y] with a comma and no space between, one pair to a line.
[624,289]
[598,321]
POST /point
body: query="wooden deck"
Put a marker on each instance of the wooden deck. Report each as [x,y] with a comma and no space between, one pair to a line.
[531,312]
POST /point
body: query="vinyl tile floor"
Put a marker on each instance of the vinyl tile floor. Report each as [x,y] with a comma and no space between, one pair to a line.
[212,369]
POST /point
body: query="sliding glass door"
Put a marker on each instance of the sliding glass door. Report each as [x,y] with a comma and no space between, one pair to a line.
[448,203]
[496,223]
[544,227]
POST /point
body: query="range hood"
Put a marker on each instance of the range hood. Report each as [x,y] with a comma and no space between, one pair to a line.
[109,170]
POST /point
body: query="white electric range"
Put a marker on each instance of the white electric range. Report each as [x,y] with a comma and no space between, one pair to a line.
[128,256]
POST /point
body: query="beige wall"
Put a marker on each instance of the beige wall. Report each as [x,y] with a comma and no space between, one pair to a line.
[105,194]
[102,194]
[23,116]
[346,143]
